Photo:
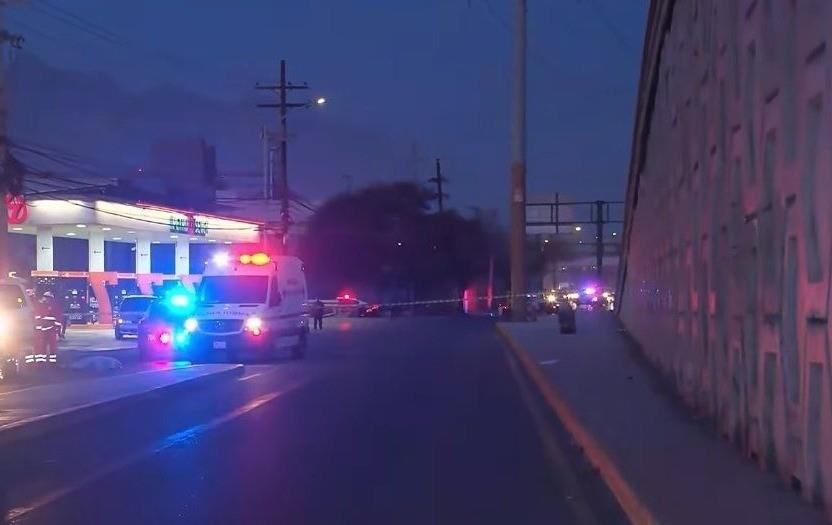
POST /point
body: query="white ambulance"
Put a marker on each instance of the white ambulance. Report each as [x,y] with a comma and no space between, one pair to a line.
[249,306]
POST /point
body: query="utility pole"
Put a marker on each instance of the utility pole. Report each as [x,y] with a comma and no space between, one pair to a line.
[9,181]
[438,180]
[518,167]
[281,185]
[599,237]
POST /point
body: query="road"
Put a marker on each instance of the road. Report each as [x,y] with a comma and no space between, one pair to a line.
[406,421]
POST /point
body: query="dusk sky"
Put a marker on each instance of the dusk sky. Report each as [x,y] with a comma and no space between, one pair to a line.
[432,72]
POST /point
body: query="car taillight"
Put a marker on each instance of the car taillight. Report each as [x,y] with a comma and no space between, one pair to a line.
[165,338]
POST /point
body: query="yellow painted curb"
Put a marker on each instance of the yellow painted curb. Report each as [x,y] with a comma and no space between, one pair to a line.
[633,507]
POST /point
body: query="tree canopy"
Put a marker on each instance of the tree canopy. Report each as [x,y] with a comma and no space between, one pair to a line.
[385,242]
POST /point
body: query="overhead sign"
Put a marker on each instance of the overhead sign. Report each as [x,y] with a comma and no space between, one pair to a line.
[188,226]
[16,209]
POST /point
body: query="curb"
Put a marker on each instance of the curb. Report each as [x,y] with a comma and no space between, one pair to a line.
[635,509]
[40,425]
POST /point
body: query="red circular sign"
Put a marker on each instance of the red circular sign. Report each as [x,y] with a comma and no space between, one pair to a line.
[16,208]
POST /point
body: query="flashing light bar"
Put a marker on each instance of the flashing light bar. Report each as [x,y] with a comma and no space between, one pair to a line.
[257,259]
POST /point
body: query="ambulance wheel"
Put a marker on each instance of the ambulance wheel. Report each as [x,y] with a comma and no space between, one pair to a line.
[299,350]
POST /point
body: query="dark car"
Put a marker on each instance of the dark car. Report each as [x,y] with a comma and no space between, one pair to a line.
[131,311]
[164,333]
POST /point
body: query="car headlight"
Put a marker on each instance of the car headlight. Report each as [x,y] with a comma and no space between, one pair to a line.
[191,324]
[254,325]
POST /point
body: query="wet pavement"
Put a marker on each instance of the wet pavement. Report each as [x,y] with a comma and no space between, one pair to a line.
[417,420]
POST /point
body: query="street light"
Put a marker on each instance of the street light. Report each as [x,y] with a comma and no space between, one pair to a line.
[578,228]
[320,101]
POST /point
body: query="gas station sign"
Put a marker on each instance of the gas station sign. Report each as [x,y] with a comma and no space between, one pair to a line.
[16,208]
[188,225]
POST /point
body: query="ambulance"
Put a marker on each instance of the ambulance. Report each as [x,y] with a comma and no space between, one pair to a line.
[249,306]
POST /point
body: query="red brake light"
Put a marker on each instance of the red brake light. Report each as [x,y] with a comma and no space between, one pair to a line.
[164,338]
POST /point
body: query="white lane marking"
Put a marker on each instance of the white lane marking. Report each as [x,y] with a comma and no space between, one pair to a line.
[167,442]
[251,376]
[549,362]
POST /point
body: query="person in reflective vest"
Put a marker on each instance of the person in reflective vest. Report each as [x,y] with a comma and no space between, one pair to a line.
[47,330]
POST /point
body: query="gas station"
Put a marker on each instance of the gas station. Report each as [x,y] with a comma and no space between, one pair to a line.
[101,222]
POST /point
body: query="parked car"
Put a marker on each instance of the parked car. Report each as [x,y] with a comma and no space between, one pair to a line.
[130,312]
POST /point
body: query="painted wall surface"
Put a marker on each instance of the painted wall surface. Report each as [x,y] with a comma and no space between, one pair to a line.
[728,237]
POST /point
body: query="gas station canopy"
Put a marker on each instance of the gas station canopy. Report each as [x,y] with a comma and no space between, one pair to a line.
[116,221]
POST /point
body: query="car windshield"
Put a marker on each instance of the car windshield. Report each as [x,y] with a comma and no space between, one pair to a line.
[233,289]
[135,304]
[11,297]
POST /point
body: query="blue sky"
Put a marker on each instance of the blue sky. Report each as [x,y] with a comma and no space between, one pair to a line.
[431,72]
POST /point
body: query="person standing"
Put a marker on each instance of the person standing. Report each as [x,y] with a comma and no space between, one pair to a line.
[47,328]
[318,314]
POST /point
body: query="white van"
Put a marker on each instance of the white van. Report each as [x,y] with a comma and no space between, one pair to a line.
[249,306]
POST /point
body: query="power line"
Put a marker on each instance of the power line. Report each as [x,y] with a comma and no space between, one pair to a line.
[79,19]
[608,23]
[81,27]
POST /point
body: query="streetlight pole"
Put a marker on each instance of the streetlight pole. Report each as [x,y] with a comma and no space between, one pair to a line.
[518,167]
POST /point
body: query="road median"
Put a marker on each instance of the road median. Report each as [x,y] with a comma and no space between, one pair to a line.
[35,411]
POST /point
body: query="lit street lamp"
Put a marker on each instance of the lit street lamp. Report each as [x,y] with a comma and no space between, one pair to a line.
[320,101]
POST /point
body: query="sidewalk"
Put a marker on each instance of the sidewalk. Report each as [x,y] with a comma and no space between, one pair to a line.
[35,410]
[662,466]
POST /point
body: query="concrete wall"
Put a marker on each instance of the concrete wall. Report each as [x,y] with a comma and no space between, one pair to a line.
[728,236]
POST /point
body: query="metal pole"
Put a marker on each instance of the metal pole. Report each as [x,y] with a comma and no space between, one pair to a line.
[518,166]
[557,212]
[285,219]
[599,238]
[5,178]
[439,195]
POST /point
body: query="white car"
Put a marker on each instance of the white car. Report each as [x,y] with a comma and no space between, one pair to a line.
[17,327]
[249,306]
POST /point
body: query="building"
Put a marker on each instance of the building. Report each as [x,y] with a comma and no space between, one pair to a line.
[97,226]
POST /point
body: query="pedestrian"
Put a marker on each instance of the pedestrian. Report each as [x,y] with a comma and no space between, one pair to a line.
[47,328]
[318,314]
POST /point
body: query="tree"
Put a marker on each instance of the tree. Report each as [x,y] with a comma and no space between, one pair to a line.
[381,241]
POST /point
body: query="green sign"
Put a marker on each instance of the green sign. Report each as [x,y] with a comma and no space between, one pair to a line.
[188,226]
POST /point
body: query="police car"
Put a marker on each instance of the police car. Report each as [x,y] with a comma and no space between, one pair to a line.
[249,306]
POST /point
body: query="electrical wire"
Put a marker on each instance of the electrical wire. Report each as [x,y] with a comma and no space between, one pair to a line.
[83,21]
[105,35]
[608,23]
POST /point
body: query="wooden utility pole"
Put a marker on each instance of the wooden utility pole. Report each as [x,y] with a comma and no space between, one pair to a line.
[518,167]
[438,180]
[281,185]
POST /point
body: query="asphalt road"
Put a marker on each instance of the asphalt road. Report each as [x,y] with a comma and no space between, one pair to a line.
[406,421]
